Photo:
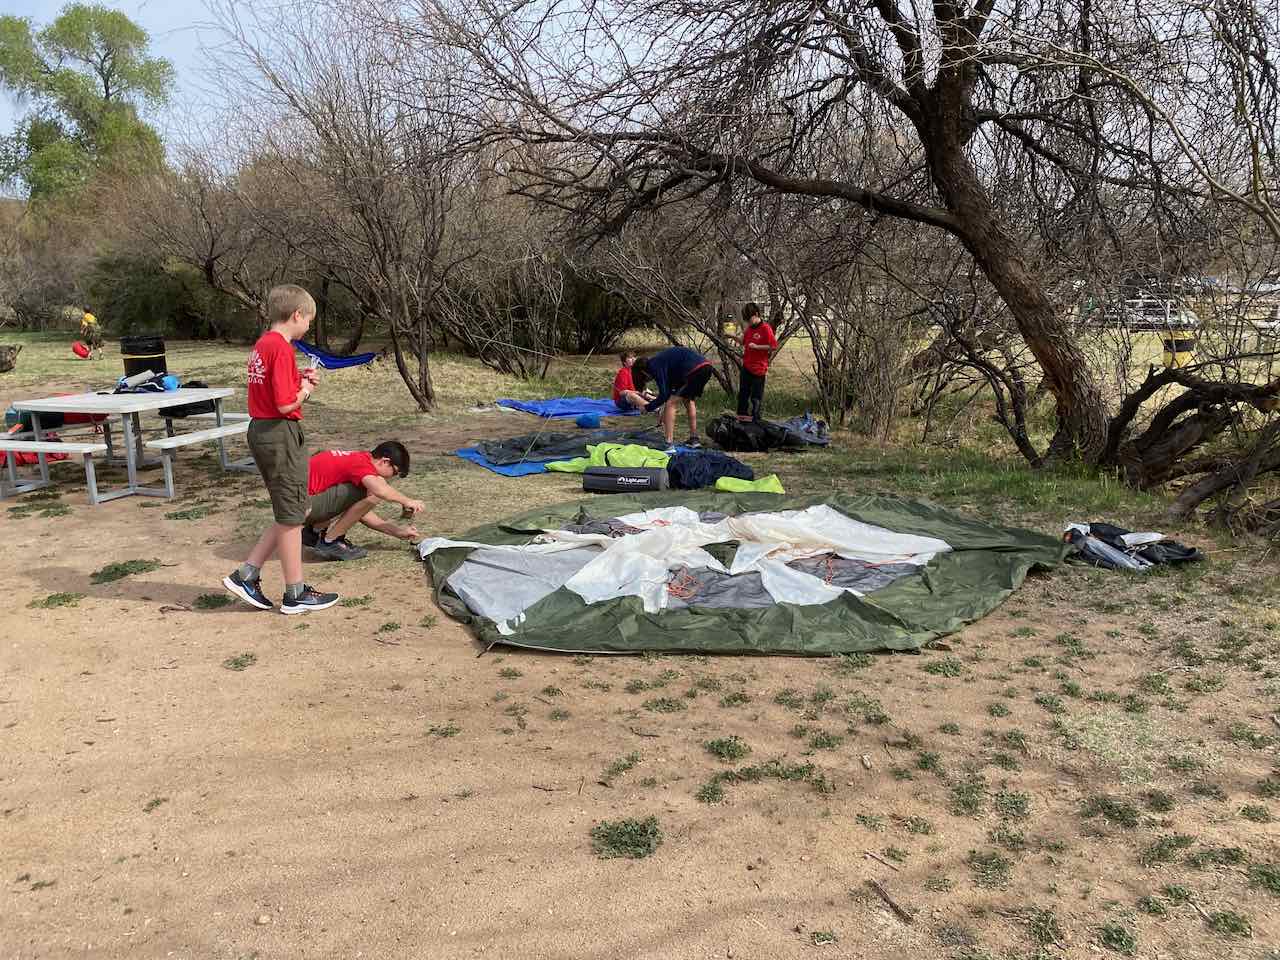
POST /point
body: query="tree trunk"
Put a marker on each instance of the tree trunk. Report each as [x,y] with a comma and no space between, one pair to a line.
[981,229]
[319,333]
[425,387]
[423,400]
[353,341]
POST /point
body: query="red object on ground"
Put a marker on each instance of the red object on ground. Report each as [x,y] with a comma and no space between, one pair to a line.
[24,459]
[80,350]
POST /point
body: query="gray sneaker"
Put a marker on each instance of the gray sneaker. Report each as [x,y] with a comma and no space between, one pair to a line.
[340,549]
[311,599]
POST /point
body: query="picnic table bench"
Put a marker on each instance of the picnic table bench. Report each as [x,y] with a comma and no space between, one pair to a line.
[128,407]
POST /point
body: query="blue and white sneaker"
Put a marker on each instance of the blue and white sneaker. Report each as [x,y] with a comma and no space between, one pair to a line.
[311,599]
[250,591]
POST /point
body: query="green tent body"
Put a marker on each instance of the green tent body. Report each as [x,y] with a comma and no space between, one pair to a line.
[985,565]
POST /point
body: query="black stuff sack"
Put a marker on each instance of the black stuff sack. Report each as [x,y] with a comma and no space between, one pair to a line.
[624,479]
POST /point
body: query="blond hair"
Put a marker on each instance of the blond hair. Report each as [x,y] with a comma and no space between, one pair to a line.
[286,300]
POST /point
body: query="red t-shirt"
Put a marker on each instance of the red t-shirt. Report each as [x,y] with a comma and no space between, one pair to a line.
[757,361]
[622,382]
[328,468]
[274,378]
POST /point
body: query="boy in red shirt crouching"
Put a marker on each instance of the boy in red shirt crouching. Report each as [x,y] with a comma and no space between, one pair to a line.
[277,391]
[343,488]
[625,394]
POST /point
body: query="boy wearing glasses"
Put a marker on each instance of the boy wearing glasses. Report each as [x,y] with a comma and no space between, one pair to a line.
[343,487]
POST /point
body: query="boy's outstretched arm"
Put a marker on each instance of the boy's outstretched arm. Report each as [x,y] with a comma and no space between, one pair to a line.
[375,522]
[385,491]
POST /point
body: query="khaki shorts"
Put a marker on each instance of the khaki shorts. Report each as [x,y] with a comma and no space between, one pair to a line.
[334,502]
[279,449]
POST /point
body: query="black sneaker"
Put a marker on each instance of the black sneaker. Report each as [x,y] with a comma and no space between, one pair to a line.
[250,591]
[340,549]
[694,442]
[311,599]
[309,537]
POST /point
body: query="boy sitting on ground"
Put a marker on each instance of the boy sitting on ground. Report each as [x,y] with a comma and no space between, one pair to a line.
[343,487]
[625,394]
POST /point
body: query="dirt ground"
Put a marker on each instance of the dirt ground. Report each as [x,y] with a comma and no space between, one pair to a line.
[181,779]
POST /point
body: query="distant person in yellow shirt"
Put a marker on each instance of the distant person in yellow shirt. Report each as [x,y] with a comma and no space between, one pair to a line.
[91,333]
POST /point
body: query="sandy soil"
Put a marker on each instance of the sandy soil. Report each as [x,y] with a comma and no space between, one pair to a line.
[364,788]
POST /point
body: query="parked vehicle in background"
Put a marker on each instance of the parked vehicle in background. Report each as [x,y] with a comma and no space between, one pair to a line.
[1143,313]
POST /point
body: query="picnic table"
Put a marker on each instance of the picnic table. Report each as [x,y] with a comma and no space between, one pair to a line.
[129,407]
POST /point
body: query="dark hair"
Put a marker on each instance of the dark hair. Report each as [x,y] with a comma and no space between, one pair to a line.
[750,310]
[622,357]
[394,451]
[640,372]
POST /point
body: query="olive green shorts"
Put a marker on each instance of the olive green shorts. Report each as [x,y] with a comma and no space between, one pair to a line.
[279,449]
[334,502]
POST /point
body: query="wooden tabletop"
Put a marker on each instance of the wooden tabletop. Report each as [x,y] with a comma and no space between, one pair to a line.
[119,403]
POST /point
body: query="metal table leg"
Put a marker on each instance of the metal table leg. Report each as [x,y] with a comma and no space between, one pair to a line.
[222,444]
[130,451]
[40,457]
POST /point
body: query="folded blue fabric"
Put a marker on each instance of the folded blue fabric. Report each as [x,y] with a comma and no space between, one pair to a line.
[569,407]
[522,469]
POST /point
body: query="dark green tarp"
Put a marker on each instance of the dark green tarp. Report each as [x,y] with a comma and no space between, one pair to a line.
[985,565]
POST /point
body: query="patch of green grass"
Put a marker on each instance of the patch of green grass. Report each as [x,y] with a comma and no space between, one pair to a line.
[1050,702]
[1176,893]
[1012,805]
[867,708]
[968,797]
[54,600]
[1005,836]
[707,683]
[1209,789]
[928,760]
[945,667]
[1164,849]
[1244,734]
[771,770]
[1160,801]
[1156,684]
[710,792]
[664,705]
[1228,923]
[1268,788]
[552,692]
[428,621]
[1216,857]
[1256,812]
[789,698]
[939,884]
[735,699]
[821,938]
[852,662]
[212,601]
[918,825]
[1043,926]
[445,730]
[1184,764]
[729,749]
[1120,812]
[191,513]
[1132,703]
[1005,761]
[825,740]
[950,729]
[125,568]
[355,601]
[631,838]
[896,854]
[241,662]
[509,673]
[1153,906]
[389,627]
[1210,683]
[989,869]
[1118,938]
[871,821]
[559,713]
[618,767]
[1016,739]
[153,803]
[998,709]
[1070,688]
[822,695]
[1266,876]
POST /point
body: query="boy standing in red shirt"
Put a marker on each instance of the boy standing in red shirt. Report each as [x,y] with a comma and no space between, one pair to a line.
[277,392]
[758,344]
[344,486]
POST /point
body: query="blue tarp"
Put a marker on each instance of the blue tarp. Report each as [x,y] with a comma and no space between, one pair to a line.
[522,469]
[331,361]
[569,407]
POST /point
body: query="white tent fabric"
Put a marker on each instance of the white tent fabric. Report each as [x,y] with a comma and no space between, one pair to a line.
[639,564]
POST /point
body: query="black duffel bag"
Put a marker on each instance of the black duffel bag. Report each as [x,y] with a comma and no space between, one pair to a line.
[189,409]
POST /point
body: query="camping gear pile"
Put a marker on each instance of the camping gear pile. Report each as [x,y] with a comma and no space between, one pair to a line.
[731,573]
[1115,548]
[757,436]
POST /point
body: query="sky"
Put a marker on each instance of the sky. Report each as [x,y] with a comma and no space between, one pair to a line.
[177,28]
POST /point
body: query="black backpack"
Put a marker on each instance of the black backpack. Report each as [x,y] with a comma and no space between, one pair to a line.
[189,409]
[751,436]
